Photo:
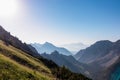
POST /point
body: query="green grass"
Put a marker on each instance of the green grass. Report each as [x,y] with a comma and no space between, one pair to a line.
[9,71]
[18,65]
[29,69]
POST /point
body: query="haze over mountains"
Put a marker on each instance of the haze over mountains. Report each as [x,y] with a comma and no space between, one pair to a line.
[75,47]
[100,61]
[97,58]
[66,49]
[20,61]
[49,48]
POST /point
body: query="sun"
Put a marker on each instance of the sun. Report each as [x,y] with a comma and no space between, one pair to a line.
[8,8]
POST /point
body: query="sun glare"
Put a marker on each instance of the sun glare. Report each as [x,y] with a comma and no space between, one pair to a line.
[8,8]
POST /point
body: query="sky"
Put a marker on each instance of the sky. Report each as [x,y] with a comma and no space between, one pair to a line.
[61,21]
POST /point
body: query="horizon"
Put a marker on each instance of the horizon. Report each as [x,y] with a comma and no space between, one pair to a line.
[61,21]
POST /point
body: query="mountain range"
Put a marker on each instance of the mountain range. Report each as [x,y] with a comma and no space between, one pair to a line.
[49,48]
[64,60]
[20,61]
[102,59]
[99,61]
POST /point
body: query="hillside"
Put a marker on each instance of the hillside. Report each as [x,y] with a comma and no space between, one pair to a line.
[19,61]
[68,61]
[14,41]
[16,64]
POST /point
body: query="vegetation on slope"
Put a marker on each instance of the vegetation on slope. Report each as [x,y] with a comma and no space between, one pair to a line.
[11,70]
[15,63]
[19,61]
[65,74]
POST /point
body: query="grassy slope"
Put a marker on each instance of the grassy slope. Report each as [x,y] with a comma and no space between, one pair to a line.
[17,65]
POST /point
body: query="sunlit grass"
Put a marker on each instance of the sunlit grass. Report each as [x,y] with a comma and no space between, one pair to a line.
[21,72]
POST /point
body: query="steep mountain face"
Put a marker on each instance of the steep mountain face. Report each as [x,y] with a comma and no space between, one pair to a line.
[32,49]
[19,61]
[79,54]
[110,63]
[115,71]
[95,51]
[103,59]
[49,48]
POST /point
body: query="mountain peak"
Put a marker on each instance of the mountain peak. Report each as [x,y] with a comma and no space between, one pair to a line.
[118,41]
[47,43]
[49,48]
[96,50]
[103,42]
[55,53]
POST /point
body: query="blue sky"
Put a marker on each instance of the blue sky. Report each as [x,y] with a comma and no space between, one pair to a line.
[65,21]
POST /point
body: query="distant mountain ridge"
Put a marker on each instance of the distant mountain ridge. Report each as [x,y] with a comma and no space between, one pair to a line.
[49,48]
[63,60]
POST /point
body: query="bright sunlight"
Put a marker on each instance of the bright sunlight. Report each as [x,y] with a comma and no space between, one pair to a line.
[8,8]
